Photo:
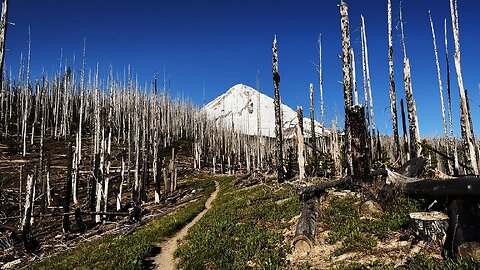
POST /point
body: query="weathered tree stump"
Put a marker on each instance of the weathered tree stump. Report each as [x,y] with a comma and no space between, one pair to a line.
[305,232]
[430,227]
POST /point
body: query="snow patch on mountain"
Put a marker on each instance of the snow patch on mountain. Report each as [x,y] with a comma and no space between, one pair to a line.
[238,108]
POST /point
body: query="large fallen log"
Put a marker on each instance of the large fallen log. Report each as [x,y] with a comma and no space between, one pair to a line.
[308,192]
[305,232]
[455,188]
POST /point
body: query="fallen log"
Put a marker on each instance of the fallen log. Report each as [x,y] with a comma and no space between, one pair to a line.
[305,232]
[455,188]
[308,192]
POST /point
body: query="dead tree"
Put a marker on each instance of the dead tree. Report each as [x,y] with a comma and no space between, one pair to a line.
[312,117]
[440,86]
[404,129]
[360,151]
[467,136]
[68,190]
[320,79]
[368,98]
[278,116]
[3,34]
[413,127]
[347,80]
[29,241]
[306,227]
[300,144]
[393,103]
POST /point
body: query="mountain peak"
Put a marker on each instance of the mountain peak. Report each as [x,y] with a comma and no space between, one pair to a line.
[243,108]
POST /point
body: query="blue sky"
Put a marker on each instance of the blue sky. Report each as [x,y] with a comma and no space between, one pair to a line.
[220,43]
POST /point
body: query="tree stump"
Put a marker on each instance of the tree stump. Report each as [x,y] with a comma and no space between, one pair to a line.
[430,227]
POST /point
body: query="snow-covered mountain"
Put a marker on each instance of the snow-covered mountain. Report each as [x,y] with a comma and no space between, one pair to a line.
[238,107]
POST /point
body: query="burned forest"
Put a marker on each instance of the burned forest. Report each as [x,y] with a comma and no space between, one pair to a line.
[102,170]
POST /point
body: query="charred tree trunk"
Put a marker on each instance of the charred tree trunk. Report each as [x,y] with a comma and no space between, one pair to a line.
[404,128]
[413,127]
[3,34]
[312,118]
[29,242]
[278,113]
[300,144]
[393,103]
[347,80]
[68,190]
[305,233]
[360,152]
[467,136]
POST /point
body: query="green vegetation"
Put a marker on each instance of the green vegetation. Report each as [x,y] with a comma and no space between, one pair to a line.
[127,252]
[343,218]
[242,229]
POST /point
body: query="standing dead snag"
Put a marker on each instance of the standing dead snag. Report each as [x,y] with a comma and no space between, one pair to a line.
[300,144]
[278,116]
[360,152]
[29,241]
[68,190]
[3,33]
[411,107]
[347,80]
[393,102]
[312,117]
[440,86]
[467,136]
[368,98]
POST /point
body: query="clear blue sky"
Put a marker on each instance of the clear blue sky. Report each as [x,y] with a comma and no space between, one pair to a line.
[221,43]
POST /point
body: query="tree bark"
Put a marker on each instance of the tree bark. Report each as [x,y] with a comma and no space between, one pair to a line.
[306,226]
[467,136]
[68,190]
[278,116]
[300,144]
[360,151]
[347,80]
[393,103]
[3,34]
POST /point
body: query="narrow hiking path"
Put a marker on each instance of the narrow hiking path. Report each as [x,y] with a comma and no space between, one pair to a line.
[165,260]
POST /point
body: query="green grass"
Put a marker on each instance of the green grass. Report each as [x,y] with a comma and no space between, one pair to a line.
[127,252]
[242,230]
[343,218]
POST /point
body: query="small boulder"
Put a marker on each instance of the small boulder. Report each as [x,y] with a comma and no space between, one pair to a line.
[371,207]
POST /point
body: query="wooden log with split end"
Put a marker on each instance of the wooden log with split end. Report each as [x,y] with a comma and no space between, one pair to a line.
[305,232]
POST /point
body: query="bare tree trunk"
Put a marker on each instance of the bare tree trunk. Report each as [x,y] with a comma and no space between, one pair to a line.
[320,75]
[467,136]
[354,77]
[68,192]
[393,103]
[404,128]
[360,152]
[347,80]
[439,76]
[3,34]
[300,142]
[312,117]
[278,117]
[412,110]
[27,236]
[371,115]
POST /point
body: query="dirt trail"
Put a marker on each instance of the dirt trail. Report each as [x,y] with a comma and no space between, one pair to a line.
[165,260]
